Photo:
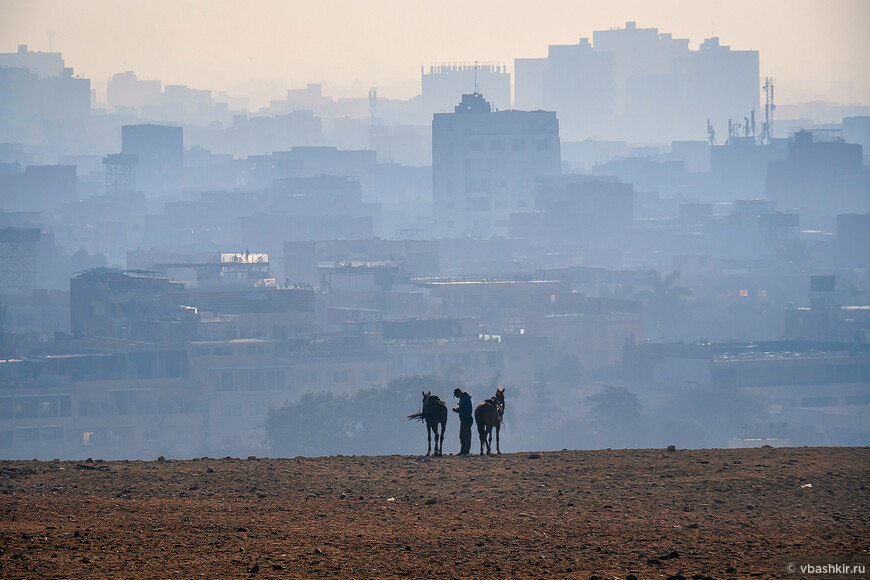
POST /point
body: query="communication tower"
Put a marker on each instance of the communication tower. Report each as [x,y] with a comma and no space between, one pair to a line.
[767,130]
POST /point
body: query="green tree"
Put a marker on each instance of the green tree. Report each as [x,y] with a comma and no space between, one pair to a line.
[368,422]
[617,415]
[698,417]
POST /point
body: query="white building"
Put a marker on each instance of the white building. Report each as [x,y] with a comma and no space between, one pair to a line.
[487,165]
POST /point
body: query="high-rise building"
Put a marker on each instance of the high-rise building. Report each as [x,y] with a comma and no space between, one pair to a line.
[642,85]
[161,153]
[126,93]
[488,164]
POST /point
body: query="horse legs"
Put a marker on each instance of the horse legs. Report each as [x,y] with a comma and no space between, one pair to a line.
[489,441]
[497,448]
[482,433]
[441,441]
[436,452]
[429,436]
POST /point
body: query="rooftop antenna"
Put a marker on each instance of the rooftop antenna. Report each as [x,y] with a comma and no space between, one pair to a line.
[711,133]
[373,102]
[475,78]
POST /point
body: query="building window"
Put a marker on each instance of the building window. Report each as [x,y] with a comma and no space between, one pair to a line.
[477,204]
[476,145]
[227,383]
[339,377]
[818,401]
[51,433]
[5,407]
[762,293]
[25,408]
[744,293]
[27,434]
[518,144]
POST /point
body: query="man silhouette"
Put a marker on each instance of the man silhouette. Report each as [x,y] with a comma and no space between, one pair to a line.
[465,420]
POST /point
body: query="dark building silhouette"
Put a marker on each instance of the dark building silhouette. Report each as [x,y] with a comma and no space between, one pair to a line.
[738,168]
[160,149]
[39,188]
[853,240]
[823,177]
[580,210]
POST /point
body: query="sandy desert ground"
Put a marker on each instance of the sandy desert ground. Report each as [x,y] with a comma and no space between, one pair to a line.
[649,513]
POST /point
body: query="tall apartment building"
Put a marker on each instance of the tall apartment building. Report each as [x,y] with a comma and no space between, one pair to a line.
[640,84]
[488,164]
[161,153]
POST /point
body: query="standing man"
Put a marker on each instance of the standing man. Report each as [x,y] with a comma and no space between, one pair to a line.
[465,420]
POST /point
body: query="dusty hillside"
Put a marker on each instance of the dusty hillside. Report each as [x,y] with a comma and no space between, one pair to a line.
[650,513]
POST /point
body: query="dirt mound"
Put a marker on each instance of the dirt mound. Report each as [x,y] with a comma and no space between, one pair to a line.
[578,514]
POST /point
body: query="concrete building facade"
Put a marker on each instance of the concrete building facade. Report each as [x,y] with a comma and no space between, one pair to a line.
[488,164]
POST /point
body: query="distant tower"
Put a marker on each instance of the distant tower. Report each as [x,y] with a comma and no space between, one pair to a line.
[373,102]
[767,130]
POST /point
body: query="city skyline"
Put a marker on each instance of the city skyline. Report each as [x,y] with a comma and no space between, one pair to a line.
[815,51]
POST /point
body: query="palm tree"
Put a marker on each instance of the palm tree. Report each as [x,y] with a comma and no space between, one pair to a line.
[664,299]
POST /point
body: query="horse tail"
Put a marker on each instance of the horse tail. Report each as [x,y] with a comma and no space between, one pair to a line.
[419,416]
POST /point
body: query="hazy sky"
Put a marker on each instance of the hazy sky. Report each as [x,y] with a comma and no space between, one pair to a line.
[814,49]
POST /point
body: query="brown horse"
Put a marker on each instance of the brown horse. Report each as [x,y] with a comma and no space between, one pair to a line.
[487,415]
[434,412]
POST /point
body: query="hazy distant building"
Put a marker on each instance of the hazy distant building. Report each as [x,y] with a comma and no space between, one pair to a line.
[826,176]
[857,130]
[127,94]
[18,256]
[580,210]
[39,188]
[738,168]
[160,149]
[29,102]
[444,85]
[640,84]
[43,64]
[488,164]
[575,81]
[302,258]
[853,239]
[116,304]
[236,269]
